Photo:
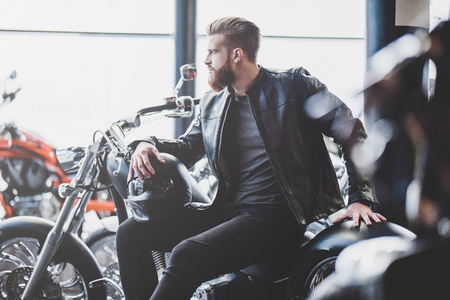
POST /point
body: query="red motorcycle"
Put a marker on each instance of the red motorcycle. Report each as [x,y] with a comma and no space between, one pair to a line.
[31,173]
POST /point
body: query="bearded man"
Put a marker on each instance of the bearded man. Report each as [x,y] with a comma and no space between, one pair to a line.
[274,173]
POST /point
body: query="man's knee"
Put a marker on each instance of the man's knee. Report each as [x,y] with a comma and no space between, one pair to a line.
[126,233]
[188,254]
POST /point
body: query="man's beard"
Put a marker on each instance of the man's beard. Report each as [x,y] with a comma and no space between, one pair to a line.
[221,78]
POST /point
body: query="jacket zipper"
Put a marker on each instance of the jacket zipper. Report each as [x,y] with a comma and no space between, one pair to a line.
[263,138]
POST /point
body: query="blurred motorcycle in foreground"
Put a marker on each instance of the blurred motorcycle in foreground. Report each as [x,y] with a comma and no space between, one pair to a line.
[404,111]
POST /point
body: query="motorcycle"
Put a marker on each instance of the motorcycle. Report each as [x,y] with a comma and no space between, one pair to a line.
[31,173]
[41,259]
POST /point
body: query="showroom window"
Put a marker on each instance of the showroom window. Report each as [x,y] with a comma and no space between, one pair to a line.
[84,64]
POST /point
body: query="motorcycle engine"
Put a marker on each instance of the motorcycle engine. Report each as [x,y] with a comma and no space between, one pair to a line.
[27,176]
[44,205]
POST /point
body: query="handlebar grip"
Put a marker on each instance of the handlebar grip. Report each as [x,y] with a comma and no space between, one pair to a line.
[171,105]
[159,108]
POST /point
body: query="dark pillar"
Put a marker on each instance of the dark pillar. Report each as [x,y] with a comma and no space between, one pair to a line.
[380,22]
[382,27]
[185,45]
[395,169]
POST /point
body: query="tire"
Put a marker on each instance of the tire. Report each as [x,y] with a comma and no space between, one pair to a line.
[68,275]
[310,272]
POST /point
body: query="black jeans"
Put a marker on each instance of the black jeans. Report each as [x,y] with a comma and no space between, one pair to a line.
[203,245]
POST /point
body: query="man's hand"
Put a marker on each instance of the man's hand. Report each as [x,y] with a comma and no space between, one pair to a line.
[140,162]
[358,210]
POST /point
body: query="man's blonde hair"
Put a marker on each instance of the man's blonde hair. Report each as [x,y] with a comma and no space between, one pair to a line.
[237,33]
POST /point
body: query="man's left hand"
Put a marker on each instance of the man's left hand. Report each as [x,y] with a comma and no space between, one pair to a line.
[358,210]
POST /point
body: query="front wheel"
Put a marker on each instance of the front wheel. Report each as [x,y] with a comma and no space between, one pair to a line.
[310,273]
[67,276]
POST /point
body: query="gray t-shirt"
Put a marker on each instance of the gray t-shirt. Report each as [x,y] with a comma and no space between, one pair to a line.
[246,157]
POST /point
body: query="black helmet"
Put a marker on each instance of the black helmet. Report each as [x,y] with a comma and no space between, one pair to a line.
[163,195]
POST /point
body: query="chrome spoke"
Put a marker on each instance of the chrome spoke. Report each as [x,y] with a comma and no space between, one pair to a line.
[17,251]
[21,246]
[7,258]
[324,269]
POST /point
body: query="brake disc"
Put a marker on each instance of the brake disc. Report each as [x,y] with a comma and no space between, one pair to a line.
[18,279]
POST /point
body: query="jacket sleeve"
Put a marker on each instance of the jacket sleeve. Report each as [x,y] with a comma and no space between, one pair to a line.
[188,148]
[335,120]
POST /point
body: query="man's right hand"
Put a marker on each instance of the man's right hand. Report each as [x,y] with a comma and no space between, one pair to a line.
[140,162]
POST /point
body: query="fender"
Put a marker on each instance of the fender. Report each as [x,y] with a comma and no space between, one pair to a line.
[333,239]
[28,226]
[330,242]
[338,236]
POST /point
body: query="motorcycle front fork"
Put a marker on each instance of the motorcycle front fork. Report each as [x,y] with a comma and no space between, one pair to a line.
[69,221]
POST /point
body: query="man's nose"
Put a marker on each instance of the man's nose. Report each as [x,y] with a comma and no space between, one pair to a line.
[207,60]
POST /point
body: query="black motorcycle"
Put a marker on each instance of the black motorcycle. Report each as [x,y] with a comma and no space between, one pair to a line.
[40,259]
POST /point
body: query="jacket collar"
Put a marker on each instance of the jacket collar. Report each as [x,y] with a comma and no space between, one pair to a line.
[229,90]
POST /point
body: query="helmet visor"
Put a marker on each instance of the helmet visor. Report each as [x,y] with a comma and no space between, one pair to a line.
[156,184]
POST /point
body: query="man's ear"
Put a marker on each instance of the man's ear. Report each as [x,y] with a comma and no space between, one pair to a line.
[237,54]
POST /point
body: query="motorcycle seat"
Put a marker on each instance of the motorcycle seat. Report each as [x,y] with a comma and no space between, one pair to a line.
[278,268]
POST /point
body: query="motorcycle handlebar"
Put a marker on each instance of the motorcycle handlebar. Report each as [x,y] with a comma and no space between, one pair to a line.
[151,109]
[183,105]
[11,96]
[185,102]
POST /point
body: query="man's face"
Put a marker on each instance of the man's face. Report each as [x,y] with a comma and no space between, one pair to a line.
[219,64]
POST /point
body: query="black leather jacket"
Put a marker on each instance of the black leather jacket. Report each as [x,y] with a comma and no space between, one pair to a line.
[292,110]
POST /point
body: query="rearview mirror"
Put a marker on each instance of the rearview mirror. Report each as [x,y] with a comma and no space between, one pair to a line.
[188,72]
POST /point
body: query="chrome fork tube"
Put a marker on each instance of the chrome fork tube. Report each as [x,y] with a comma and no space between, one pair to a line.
[52,242]
[56,235]
[77,215]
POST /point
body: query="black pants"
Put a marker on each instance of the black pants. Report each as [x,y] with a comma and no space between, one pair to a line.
[204,245]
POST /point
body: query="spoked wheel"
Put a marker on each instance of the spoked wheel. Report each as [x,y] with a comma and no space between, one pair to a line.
[17,258]
[67,276]
[309,273]
[324,269]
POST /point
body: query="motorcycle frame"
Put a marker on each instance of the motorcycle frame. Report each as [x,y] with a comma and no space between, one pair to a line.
[80,189]
[73,210]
